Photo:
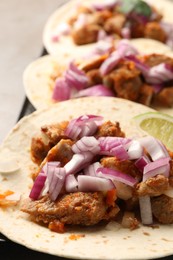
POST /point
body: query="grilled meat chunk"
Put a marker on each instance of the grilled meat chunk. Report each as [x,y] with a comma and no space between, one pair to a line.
[153,30]
[110,129]
[127,81]
[46,139]
[162,208]
[86,34]
[78,208]
[154,186]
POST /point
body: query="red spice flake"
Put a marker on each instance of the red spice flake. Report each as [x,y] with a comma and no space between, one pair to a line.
[56,226]
[76,236]
[111,196]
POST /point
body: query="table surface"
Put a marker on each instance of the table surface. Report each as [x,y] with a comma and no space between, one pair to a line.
[21,43]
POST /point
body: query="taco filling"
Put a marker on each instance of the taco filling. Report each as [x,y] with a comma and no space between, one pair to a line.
[123,73]
[114,19]
[89,172]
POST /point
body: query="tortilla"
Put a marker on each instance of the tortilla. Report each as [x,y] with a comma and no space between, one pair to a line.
[98,242]
[66,44]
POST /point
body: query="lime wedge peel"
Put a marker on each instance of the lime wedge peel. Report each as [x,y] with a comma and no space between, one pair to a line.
[158,125]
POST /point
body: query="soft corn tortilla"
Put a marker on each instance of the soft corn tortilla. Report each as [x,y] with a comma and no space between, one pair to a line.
[66,45]
[111,242]
[39,76]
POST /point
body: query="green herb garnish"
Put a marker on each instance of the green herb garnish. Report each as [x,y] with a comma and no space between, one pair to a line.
[137,6]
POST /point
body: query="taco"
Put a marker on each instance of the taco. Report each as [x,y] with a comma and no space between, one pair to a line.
[75,27]
[101,219]
[107,70]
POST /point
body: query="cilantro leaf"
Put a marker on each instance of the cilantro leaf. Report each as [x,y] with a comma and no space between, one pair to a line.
[137,6]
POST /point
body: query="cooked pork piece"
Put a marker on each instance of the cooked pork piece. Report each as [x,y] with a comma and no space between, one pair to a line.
[80,208]
[154,186]
[162,208]
[155,59]
[153,30]
[55,132]
[127,81]
[86,34]
[146,94]
[165,97]
[94,77]
[115,24]
[46,139]
[109,129]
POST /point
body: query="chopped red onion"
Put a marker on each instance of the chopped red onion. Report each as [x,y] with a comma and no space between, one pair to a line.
[159,74]
[126,32]
[98,90]
[90,183]
[160,166]
[86,144]
[61,90]
[146,210]
[56,181]
[83,125]
[114,146]
[71,183]
[135,150]
[101,35]
[38,186]
[142,162]
[75,77]
[116,175]
[109,4]
[78,162]
[91,169]
[123,49]
[154,147]
[139,64]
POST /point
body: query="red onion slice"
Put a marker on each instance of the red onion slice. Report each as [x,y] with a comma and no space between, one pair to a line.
[91,170]
[90,183]
[98,90]
[160,166]
[142,162]
[56,181]
[146,210]
[75,78]
[83,125]
[109,4]
[86,144]
[135,150]
[38,186]
[116,175]
[154,147]
[61,90]
[71,183]
[78,162]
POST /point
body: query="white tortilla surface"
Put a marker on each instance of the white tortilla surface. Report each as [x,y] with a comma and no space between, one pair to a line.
[110,242]
[65,45]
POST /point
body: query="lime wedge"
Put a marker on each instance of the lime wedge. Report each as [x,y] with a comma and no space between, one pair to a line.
[158,125]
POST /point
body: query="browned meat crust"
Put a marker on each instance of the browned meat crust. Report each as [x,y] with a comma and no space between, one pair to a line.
[110,129]
[153,30]
[127,81]
[74,208]
[154,186]
[162,208]
[46,139]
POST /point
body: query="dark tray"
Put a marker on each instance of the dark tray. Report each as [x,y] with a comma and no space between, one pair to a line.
[10,250]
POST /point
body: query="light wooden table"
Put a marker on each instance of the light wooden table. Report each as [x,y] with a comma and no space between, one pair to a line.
[21,26]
